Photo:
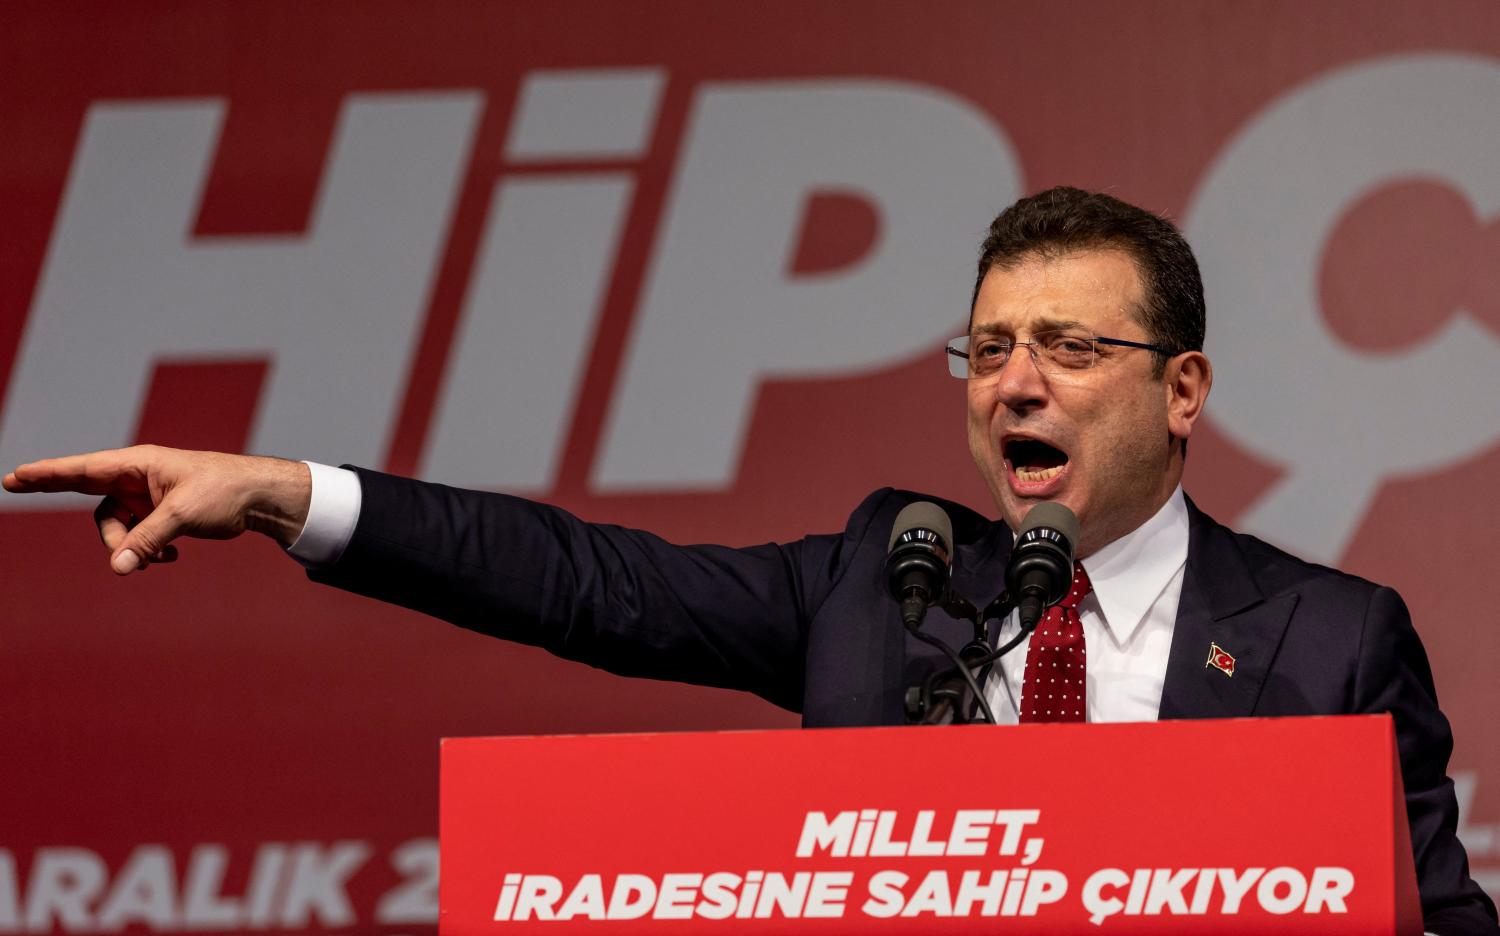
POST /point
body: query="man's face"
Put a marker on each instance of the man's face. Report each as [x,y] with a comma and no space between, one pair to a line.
[1095,440]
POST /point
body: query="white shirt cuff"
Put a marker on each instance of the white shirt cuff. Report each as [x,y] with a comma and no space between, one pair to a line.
[332,514]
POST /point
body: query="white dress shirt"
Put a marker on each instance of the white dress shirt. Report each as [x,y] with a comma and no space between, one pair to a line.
[1127,623]
[1127,620]
[332,514]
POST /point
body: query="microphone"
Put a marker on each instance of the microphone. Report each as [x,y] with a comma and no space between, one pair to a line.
[1040,570]
[918,562]
[918,559]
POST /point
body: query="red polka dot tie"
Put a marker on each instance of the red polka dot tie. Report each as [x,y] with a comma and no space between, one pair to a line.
[1054,689]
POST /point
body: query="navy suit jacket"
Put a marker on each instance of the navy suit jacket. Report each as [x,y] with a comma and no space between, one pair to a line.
[808,625]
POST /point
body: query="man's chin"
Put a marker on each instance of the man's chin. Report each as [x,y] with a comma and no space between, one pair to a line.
[1013,509]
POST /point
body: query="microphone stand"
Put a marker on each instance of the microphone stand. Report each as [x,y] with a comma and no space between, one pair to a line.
[1000,609]
[938,700]
[1041,561]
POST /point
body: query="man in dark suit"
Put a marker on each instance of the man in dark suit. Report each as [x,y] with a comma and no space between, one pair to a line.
[1085,377]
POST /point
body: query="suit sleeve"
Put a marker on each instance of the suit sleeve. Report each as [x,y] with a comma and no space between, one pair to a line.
[621,600]
[1394,676]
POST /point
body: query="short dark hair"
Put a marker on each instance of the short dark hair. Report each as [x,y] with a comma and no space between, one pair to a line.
[1063,220]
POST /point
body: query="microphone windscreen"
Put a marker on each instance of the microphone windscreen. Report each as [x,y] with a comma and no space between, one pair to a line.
[1053,516]
[923,515]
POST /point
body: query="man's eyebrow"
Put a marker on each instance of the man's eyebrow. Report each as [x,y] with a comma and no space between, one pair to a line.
[1052,324]
[1045,323]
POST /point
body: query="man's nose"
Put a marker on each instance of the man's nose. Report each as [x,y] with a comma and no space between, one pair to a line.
[1019,385]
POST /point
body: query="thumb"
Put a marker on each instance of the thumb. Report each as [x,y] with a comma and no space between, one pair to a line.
[147,538]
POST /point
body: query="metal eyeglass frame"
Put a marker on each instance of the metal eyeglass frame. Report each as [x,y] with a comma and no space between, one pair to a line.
[1031,349]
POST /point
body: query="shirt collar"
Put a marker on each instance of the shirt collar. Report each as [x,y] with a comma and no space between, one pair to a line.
[1129,574]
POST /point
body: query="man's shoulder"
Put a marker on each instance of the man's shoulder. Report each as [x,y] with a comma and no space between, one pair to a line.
[1217,547]
[878,511]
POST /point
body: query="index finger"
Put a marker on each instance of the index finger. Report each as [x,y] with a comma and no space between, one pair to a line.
[89,473]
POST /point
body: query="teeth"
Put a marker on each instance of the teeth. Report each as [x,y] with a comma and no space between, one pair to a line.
[1039,474]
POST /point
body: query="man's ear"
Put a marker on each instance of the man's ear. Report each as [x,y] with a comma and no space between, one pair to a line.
[1186,381]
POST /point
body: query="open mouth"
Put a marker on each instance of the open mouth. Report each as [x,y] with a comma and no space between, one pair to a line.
[1034,460]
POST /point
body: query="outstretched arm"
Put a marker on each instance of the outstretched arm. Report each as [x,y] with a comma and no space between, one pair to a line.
[152,495]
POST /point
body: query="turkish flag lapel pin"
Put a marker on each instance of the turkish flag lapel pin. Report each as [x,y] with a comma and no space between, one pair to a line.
[1220,660]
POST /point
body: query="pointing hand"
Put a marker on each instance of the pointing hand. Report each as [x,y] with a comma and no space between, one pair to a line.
[152,495]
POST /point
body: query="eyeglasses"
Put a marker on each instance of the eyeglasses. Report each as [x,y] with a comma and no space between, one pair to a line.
[1063,351]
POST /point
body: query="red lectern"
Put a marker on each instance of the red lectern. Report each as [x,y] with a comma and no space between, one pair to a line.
[1243,826]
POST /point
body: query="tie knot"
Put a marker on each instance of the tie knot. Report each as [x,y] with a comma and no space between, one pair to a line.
[1080,587]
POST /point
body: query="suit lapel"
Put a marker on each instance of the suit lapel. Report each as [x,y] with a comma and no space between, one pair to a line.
[1220,604]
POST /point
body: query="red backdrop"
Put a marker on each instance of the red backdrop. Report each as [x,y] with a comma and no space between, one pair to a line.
[717,248]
